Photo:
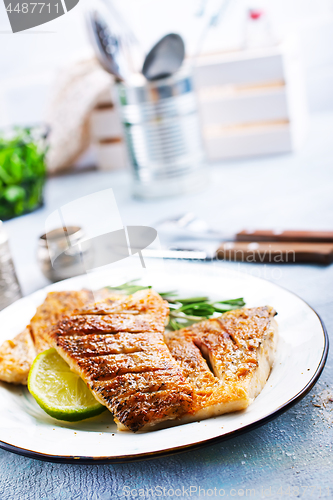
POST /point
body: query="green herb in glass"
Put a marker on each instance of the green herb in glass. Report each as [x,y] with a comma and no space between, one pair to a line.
[22,171]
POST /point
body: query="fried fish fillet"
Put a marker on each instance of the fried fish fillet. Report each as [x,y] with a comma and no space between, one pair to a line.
[118,349]
[17,355]
[226,360]
[56,305]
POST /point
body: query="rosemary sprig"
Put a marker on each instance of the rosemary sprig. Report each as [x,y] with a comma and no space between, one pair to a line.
[185,311]
[191,300]
[175,325]
[192,311]
[129,287]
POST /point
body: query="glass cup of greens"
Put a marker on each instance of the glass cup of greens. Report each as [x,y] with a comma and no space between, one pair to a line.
[22,170]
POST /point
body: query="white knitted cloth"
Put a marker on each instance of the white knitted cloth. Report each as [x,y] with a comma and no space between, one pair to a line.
[76,92]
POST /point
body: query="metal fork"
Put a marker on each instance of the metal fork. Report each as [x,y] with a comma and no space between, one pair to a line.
[189,225]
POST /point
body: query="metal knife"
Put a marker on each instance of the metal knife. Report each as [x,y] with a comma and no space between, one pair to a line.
[249,252]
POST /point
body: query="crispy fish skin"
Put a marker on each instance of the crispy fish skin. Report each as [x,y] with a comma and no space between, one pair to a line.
[16,357]
[118,349]
[227,359]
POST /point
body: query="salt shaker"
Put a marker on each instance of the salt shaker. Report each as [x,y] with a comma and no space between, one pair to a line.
[63,253]
[9,286]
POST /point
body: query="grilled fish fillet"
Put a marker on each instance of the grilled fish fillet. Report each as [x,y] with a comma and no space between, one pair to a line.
[56,305]
[226,360]
[17,355]
[118,349]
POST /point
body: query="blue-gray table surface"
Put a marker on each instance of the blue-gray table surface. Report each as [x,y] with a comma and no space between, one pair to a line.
[290,456]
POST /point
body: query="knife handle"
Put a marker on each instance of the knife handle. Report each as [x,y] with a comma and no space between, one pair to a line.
[300,236]
[276,252]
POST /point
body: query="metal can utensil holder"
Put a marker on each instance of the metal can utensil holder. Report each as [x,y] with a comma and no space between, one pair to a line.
[9,286]
[163,137]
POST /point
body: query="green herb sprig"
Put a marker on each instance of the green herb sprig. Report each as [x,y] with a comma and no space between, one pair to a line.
[186,311]
[22,171]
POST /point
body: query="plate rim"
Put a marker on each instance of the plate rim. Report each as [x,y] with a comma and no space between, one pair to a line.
[90,460]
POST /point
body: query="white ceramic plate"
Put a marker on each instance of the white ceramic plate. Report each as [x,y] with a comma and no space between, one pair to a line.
[300,358]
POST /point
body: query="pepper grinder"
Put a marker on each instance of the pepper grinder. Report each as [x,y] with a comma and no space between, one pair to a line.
[9,286]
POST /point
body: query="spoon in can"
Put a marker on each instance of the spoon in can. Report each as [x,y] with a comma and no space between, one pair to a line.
[165,58]
[115,46]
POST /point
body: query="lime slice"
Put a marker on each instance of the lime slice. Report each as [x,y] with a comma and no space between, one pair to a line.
[59,391]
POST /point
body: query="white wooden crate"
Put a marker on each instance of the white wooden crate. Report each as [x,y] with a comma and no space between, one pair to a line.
[107,134]
[231,105]
[252,102]
[110,155]
[105,122]
[249,140]
[244,67]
